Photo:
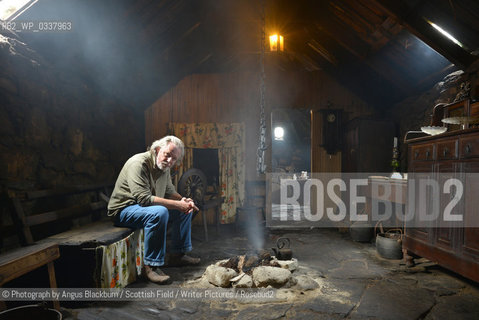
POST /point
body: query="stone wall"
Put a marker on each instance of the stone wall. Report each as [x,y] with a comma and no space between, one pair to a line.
[415,112]
[56,128]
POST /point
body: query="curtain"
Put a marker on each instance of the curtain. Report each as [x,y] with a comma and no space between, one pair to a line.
[122,261]
[229,139]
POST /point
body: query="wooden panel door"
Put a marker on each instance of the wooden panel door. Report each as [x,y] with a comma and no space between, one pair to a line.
[419,170]
[470,241]
[447,234]
[320,160]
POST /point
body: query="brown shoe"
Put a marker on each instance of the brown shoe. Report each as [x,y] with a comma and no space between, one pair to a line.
[156,276]
[181,259]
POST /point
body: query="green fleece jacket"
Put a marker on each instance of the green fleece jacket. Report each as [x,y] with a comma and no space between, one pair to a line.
[139,180]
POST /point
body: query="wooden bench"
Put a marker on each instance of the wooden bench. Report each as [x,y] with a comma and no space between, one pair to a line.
[213,203]
[23,260]
[74,219]
[58,205]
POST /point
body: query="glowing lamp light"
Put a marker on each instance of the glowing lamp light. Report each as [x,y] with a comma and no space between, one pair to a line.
[446,34]
[276,43]
[278,133]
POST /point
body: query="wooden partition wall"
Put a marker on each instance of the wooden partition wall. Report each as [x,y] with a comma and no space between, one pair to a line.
[235,97]
[222,98]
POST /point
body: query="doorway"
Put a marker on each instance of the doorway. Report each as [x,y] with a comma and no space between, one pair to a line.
[207,161]
[291,140]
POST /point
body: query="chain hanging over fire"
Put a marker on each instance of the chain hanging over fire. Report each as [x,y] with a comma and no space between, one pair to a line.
[261,165]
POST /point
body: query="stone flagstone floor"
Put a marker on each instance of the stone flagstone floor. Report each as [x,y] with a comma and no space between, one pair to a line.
[350,282]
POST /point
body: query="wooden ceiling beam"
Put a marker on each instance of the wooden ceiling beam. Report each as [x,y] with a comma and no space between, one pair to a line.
[359,75]
[367,11]
[331,43]
[347,38]
[465,31]
[363,41]
[325,53]
[350,17]
[424,31]
[364,82]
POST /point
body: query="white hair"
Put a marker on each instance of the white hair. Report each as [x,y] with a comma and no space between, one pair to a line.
[163,142]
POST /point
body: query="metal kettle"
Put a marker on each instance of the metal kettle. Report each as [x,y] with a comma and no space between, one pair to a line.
[283,250]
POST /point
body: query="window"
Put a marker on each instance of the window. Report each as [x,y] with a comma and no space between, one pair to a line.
[11,9]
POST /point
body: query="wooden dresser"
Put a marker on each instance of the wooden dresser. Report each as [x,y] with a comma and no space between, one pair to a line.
[454,246]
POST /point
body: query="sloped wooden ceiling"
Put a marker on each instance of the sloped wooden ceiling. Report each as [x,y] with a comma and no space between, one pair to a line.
[383,50]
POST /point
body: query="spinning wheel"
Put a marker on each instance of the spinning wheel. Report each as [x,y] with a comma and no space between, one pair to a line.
[193,185]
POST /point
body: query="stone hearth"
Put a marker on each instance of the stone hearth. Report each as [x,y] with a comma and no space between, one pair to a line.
[252,271]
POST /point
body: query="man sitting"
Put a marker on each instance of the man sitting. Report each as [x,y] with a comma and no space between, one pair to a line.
[144,197]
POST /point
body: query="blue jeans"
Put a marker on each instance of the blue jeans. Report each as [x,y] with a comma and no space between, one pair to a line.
[154,220]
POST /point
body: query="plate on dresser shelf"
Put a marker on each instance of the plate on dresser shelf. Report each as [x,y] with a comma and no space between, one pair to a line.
[378,177]
[461,120]
[432,130]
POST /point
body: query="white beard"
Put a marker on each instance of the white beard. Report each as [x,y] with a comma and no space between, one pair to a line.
[159,164]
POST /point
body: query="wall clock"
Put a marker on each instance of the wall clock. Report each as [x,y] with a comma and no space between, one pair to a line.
[330,117]
[331,130]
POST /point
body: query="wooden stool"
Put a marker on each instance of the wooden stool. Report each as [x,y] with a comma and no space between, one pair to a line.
[212,203]
[23,260]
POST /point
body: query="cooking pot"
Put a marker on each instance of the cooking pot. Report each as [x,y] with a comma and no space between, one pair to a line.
[389,244]
[283,251]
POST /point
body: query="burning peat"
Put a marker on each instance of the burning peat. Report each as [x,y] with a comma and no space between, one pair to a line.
[247,263]
[252,270]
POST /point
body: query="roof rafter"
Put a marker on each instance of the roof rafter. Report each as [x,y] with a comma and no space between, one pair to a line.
[424,31]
